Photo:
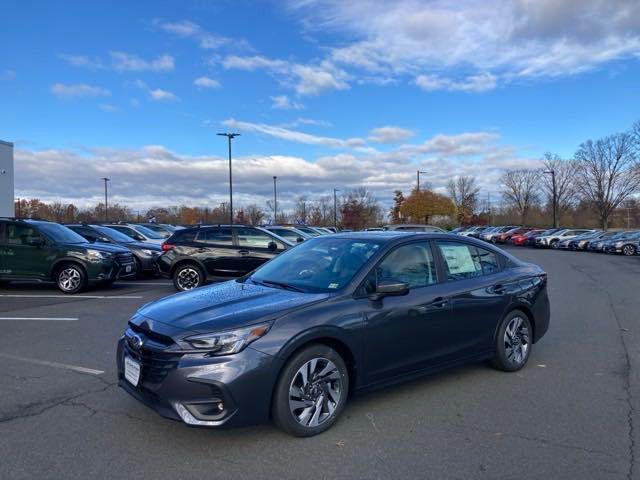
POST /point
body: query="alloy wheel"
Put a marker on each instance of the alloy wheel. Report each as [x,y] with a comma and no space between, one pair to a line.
[516,341]
[628,250]
[188,278]
[69,279]
[315,391]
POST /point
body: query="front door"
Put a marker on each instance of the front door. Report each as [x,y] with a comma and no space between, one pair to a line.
[215,249]
[407,333]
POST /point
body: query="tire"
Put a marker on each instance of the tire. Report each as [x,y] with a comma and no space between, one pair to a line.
[139,272]
[554,244]
[307,409]
[71,278]
[628,250]
[187,277]
[512,353]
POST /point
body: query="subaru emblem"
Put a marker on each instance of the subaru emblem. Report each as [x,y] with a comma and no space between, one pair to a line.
[136,342]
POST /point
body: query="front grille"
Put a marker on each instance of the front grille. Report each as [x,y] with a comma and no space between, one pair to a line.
[156,337]
[154,365]
[123,258]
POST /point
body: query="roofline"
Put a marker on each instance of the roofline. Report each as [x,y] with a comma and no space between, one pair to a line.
[8,144]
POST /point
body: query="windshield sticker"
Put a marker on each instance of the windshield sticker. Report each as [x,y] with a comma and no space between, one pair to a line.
[333,285]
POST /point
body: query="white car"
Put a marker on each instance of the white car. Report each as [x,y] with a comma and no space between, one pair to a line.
[553,240]
[139,233]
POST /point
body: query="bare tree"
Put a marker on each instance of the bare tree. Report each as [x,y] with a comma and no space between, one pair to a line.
[464,195]
[301,209]
[558,182]
[608,172]
[521,190]
[254,214]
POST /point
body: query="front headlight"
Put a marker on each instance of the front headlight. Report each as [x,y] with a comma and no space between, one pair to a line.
[229,342]
[149,252]
[98,255]
[618,244]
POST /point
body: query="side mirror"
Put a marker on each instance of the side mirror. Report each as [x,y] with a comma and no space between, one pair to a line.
[138,237]
[299,239]
[390,288]
[273,246]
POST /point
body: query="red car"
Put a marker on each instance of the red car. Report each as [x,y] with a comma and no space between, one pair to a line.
[506,236]
[520,239]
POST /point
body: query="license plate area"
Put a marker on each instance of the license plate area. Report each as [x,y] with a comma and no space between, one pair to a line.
[131,371]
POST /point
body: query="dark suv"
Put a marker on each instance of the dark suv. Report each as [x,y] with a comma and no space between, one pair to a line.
[194,256]
[45,251]
[144,253]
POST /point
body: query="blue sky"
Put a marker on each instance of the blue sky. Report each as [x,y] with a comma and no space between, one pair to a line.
[325,93]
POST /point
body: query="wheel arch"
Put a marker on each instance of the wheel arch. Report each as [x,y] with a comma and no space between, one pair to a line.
[522,307]
[55,266]
[188,261]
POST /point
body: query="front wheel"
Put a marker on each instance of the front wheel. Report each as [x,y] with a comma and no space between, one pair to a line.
[513,342]
[311,392]
[71,279]
[554,244]
[187,277]
[628,250]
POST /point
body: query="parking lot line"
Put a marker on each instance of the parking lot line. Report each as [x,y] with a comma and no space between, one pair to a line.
[61,319]
[71,297]
[66,366]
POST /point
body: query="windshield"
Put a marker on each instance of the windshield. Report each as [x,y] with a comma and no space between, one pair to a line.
[286,233]
[321,264]
[308,230]
[148,232]
[115,235]
[60,234]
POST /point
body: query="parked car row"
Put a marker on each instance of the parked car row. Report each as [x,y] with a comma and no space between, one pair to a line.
[621,242]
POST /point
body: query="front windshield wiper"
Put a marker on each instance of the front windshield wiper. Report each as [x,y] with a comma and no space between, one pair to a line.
[274,283]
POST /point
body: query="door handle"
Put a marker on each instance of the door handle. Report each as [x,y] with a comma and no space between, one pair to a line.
[243,252]
[440,302]
[499,289]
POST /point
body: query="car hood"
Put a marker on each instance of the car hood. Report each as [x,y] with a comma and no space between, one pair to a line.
[223,306]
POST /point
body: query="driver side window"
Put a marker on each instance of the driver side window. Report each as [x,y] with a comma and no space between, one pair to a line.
[412,264]
[18,234]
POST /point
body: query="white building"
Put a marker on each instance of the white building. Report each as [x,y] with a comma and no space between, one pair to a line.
[6,179]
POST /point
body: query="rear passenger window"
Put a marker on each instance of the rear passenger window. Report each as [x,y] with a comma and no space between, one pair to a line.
[488,261]
[461,261]
[217,236]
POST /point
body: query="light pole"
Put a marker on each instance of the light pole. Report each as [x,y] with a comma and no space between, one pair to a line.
[335,208]
[230,136]
[419,172]
[106,199]
[275,201]
[554,194]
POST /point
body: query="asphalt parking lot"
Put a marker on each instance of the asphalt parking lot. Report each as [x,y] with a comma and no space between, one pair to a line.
[571,413]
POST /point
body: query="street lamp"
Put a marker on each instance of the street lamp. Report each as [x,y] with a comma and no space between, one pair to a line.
[106,199]
[335,208]
[554,193]
[419,172]
[230,136]
[275,201]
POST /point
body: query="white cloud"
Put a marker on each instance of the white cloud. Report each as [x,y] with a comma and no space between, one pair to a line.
[162,95]
[128,62]
[81,61]
[306,121]
[487,42]
[283,102]
[206,82]
[69,175]
[107,107]
[62,90]
[189,29]
[390,134]
[294,135]
[473,83]
[304,79]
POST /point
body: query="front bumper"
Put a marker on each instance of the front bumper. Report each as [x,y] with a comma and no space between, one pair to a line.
[200,390]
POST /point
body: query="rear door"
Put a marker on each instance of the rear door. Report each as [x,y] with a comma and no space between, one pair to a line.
[479,289]
[214,248]
[254,248]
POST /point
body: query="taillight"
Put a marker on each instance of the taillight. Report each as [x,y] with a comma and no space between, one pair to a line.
[167,246]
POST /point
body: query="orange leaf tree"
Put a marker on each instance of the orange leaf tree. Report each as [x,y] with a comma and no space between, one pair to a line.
[421,205]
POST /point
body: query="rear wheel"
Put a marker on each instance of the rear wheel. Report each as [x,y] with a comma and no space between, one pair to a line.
[311,392]
[71,278]
[513,342]
[628,250]
[554,244]
[187,277]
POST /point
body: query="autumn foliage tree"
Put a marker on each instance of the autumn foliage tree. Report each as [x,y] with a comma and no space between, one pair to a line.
[422,205]
[360,209]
